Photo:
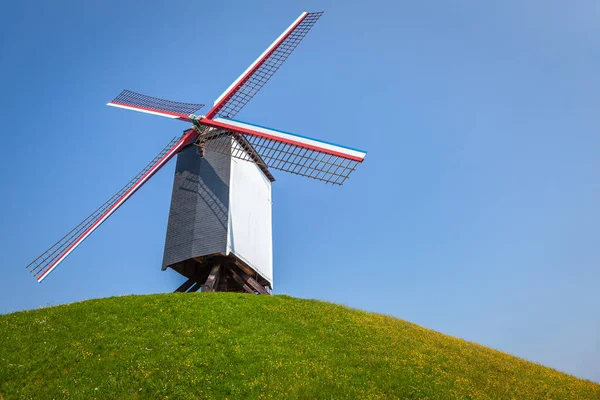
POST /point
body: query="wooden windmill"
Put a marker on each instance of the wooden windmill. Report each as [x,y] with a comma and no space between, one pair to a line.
[219,231]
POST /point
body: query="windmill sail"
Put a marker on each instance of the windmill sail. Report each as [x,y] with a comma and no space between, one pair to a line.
[239,93]
[45,263]
[285,151]
[153,105]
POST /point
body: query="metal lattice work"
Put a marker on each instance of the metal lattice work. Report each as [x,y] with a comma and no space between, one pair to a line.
[281,156]
[41,265]
[254,82]
[142,102]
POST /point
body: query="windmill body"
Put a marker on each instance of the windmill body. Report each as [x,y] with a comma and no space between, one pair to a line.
[220,215]
[219,233]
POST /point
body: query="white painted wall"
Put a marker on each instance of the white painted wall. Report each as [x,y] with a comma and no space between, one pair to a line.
[250,235]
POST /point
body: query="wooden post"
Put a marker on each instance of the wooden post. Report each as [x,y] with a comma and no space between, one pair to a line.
[240,281]
[222,287]
[186,285]
[195,288]
[250,281]
[212,280]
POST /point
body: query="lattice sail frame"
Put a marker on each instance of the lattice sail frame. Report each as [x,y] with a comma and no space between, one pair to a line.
[283,151]
[154,105]
[47,261]
[243,89]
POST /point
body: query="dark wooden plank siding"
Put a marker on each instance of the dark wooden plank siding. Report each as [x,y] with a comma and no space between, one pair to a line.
[198,216]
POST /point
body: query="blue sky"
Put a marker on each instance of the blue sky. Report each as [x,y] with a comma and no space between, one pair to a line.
[474,214]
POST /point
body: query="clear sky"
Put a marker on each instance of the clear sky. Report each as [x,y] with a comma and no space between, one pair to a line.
[475,212]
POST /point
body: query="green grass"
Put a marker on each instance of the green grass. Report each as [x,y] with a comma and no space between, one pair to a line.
[236,346]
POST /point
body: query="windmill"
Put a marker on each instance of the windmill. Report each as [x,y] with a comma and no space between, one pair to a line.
[219,229]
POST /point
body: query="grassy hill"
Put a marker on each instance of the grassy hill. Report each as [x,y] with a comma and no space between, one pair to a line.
[217,345]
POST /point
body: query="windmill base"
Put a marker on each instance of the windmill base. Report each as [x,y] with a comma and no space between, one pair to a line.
[220,274]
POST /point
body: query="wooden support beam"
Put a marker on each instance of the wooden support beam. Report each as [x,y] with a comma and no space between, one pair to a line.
[218,273]
[201,260]
[186,285]
[245,268]
[215,284]
[193,283]
[236,277]
[212,280]
[257,286]
[250,281]
[197,285]
[222,287]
